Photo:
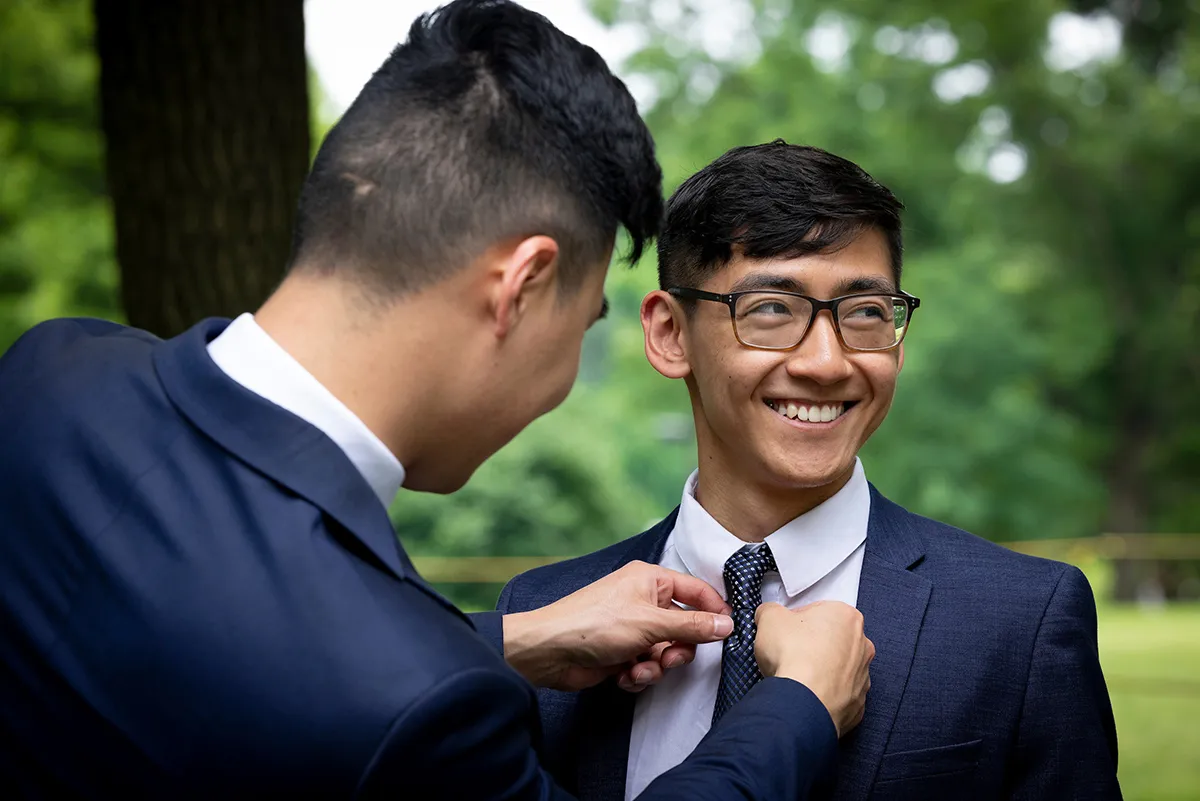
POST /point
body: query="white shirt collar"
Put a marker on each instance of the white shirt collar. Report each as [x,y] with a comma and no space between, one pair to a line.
[806,549]
[248,355]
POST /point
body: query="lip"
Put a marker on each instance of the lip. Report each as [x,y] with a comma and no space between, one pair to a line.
[805,425]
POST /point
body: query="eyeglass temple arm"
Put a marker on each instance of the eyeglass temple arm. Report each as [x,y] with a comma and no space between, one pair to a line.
[697,294]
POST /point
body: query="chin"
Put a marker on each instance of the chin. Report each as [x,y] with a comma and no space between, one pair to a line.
[808,473]
[443,483]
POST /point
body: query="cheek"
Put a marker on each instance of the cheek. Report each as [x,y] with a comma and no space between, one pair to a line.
[730,379]
[881,373]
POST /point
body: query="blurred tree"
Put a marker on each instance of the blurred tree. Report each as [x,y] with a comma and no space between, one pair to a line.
[1051,386]
[55,225]
[559,489]
[205,115]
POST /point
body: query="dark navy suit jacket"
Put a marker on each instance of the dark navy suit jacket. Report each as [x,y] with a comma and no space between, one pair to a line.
[201,597]
[986,682]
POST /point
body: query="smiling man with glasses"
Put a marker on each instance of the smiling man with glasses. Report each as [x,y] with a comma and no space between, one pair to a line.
[986,683]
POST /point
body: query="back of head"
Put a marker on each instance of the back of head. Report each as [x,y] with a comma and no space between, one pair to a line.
[772,201]
[487,125]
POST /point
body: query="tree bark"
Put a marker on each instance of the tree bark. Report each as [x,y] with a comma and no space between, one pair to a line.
[1127,505]
[204,106]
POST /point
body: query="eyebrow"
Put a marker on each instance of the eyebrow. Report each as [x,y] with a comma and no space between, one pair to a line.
[767,281]
[782,283]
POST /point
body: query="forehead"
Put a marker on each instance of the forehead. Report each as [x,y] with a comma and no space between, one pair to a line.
[863,265]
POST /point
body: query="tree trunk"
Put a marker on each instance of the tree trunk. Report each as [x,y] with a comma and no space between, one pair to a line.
[1127,506]
[204,107]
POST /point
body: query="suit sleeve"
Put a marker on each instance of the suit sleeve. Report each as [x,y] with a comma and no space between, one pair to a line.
[490,625]
[504,602]
[471,738]
[777,742]
[1067,740]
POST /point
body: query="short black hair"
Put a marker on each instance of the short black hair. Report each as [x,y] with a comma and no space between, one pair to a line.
[772,200]
[487,123]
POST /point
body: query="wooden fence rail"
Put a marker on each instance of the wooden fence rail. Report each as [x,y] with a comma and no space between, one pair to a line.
[1157,547]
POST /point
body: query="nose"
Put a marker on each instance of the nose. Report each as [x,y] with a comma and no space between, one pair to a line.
[820,356]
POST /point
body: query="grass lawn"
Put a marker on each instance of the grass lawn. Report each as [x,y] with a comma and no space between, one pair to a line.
[1151,660]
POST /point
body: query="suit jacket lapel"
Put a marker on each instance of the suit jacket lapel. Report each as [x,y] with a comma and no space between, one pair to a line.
[892,600]
[281,446]
[605,712]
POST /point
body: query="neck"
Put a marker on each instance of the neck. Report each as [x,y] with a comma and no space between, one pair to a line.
[753,510]
[382,362]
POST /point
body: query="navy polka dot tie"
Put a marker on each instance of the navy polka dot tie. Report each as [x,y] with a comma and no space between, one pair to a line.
[743,587]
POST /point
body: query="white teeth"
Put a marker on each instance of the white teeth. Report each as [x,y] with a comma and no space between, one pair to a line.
[809,414]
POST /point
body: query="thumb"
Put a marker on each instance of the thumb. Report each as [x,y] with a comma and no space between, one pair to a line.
[762,610]
[690,626]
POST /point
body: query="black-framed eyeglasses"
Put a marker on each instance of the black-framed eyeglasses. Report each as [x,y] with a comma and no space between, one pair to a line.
[768,319]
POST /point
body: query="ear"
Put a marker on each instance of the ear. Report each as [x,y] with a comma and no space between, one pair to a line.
[522,276]
[662,324]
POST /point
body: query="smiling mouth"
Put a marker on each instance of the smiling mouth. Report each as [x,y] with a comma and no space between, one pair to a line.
[809,412]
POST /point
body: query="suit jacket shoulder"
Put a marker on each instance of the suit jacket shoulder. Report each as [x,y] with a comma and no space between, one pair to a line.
[543,585]
[200,600]
[957,561]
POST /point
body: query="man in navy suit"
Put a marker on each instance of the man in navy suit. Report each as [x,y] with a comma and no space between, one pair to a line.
[201,594]
[780,307]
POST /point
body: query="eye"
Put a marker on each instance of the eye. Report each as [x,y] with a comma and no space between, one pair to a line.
[866,311]
[770,307]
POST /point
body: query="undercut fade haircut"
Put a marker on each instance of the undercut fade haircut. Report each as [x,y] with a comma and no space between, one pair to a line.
[486,125]
[772,201]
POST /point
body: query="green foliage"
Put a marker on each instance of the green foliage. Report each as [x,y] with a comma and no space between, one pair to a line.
[56,241]
[1051,385]
[1051,376]
[558,490]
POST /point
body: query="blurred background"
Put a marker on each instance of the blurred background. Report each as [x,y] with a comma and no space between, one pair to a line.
[1048,152]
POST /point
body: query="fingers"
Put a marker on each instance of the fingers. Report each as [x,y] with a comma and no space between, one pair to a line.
[687,627]
[640,676]
[651,670]
[762,608]
[677,655]
[690,591]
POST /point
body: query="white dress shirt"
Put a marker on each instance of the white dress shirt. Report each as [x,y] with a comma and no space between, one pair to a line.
[248,355]
[819,556]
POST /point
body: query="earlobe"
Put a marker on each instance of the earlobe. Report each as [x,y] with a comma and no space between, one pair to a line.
[662,326]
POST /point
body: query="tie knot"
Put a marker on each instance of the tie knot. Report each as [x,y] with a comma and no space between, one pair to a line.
[744,573]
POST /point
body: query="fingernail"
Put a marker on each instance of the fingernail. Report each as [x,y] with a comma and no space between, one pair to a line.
[624,683]
[673,661]
[722,625]
[641,677]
